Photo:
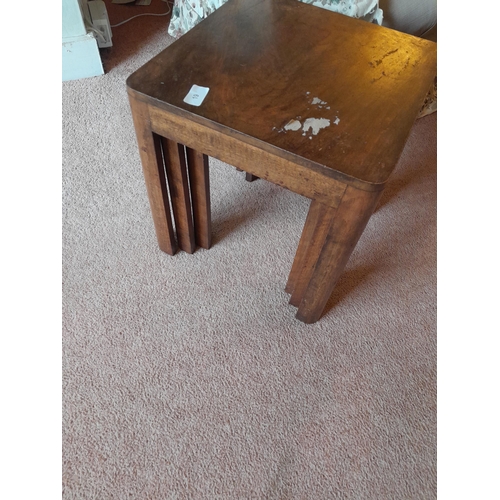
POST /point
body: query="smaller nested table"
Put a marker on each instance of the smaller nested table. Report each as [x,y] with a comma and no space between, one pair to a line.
[314,101]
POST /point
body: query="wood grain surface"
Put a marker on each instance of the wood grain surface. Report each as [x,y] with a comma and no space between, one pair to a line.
[267,62]
[154,175]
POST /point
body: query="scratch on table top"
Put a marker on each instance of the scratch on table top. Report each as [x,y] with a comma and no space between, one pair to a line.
[374,64]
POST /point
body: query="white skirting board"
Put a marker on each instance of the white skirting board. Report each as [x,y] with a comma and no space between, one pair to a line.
[80,57]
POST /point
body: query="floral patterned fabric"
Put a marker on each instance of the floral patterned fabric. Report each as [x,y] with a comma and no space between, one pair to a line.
[188,13]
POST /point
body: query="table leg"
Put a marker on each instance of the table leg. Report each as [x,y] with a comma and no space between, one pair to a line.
[175,163]
[330,244]
[250,177]
[154,176]
[311,241]
[200,194]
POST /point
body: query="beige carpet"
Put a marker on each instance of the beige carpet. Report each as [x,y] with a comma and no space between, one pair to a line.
[188,377]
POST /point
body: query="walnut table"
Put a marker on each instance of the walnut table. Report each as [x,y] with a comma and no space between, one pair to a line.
[314,101]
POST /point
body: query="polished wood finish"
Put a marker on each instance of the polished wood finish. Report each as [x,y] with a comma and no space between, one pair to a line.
[313,236]
[335,235]
[313,101]
[175,162]
[265,61]
[200,192]
[233,150]
[154,176]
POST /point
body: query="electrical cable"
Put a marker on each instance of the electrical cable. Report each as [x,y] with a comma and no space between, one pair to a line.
[98,33]
[139,15]
[89,26]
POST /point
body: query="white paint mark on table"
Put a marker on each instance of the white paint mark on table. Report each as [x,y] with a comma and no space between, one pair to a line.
[293,125]
[311,126]
[317,100]
[315,125]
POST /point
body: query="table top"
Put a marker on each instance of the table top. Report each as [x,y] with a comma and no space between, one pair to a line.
[298,80]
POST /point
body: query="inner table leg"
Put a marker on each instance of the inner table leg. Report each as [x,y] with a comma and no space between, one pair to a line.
[175,163]
[334,237]
[154,176]
[250,177]
[200,194]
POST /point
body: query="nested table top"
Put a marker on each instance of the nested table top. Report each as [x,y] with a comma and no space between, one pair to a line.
[298,80]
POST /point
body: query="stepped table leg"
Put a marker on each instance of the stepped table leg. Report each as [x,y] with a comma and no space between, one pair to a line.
[154,176]
[328,239]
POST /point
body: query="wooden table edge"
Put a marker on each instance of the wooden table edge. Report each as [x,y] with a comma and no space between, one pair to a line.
[258,143]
